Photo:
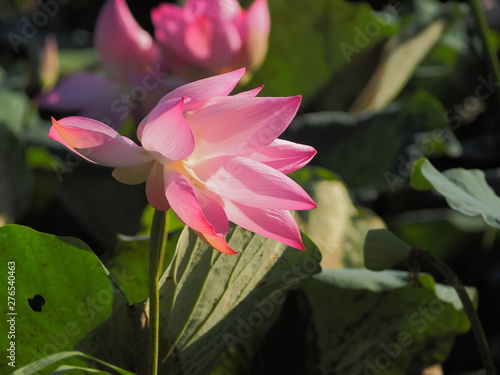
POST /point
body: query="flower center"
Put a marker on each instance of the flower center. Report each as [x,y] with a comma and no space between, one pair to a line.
[180,167]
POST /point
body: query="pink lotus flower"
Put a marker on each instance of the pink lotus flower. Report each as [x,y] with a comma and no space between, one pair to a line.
[208,37]
[208,156]
[131,79]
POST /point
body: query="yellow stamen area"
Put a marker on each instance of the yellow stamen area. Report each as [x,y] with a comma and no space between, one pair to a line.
[179,167]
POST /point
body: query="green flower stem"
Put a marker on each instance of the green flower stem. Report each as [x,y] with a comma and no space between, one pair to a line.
[422,256]
[484,33]
[157,246]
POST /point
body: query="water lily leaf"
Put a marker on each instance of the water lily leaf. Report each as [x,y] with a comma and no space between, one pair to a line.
[61,293]
[65,368]
[122,339]
[336,226]
[42,364]
[66,301]
[400,59]
[411,327]
[346,321]
[210,300]
[464,190]
[128,264]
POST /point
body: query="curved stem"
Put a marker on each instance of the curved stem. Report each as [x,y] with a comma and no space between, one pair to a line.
[484,33]
[157,244]
[477,329]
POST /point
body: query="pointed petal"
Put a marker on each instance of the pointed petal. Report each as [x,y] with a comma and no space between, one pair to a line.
[250,93]
[213,212]
[205,89]
[245,94]
[195,209]
[284,156]
[277,225]
[240,125]
[252,183]
[97,142]
[134,175]
[123,45]
[76,91]
[155,188]
[217,242]
[165,133]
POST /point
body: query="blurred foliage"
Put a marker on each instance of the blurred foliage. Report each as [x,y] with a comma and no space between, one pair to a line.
[381,89]
[376,148]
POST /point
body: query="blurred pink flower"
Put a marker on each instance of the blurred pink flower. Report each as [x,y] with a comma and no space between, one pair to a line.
[207,37]
[131,79]
[208,156]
